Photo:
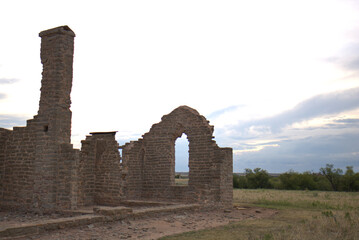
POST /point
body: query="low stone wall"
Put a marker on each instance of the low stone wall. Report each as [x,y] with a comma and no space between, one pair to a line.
[17,175]
[4,136]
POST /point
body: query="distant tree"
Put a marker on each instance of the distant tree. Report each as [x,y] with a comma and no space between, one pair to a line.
[307,181]
[239,181]
[258,178]
[275,183]
[333,175]
[290,180]
[235,181]
[322,182]
[356,182]
[328,179]
[350,180]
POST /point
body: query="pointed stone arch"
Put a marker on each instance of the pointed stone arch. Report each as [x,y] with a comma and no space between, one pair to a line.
[210,166]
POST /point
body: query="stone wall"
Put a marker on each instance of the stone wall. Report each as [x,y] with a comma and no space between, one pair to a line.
[100,175]
[38,159]
[150,162]
[57,50]
[4,136]
[133,157]
[225,164]
[18,172]
[40,170]
[67,177]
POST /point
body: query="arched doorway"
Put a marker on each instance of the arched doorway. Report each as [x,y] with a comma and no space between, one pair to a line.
[182,160]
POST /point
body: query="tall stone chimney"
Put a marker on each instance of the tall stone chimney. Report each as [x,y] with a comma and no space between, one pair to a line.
[57,49]
[54,183]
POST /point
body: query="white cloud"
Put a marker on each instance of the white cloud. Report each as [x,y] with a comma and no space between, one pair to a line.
[138,60]
[253,148]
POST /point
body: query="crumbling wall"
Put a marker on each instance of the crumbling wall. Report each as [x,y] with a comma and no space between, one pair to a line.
[100,175]
[38,159]
[18,171]
[40,170]
[57,50]
[133,158]
[67,177]
[4,136]
[86,170]
[151,161]
[37,173]
[224,157]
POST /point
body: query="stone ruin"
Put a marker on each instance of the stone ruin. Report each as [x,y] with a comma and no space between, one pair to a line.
[41,171]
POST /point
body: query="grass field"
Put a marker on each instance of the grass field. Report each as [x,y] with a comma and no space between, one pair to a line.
[302,215]
[181,181]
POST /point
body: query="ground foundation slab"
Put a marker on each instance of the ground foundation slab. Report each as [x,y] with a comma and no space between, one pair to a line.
[100,214]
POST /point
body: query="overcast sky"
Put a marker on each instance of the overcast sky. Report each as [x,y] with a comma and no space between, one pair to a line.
[278,79]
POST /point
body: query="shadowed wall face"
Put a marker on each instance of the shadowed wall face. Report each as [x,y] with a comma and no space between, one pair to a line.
[57,50]
[151,162]
[40,170]
[100,176]
[38,160]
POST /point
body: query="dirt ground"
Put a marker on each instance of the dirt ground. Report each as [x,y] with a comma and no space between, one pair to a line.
[156,227]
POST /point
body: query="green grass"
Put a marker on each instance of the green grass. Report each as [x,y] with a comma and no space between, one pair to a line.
[302,215]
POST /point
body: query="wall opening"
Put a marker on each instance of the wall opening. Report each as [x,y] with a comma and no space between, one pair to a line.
[120,152]
[182,160]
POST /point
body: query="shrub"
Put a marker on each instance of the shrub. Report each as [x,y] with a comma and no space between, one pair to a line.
[275,182]
[333,175]
[350,180]
[257,178]
[235,181]
[239,181]
[328,179]
[289,180]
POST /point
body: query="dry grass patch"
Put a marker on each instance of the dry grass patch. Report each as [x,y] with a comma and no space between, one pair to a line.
[181,181]
[328,225]
[311,215]
[298,199]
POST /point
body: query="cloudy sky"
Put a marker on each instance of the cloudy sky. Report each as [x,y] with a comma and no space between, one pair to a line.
[278,79]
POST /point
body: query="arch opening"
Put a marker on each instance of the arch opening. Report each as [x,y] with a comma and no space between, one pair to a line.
[182,160]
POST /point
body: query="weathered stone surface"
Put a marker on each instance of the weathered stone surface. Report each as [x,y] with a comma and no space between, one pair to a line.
[100,176]
[102,214]
[113,211]
[150,162]
[41,171]
[38,160]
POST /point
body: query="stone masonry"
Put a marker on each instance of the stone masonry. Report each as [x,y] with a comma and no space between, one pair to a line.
[38,160]
[150,162]
[41,171]
[100,173]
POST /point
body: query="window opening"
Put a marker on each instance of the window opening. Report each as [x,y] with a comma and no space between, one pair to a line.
[182,160]
[120,152]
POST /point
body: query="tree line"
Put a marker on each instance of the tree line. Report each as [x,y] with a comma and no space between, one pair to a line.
[327,179]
